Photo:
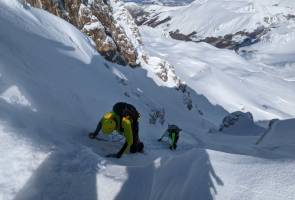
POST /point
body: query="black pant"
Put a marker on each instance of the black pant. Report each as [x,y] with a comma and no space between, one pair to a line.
[137,145]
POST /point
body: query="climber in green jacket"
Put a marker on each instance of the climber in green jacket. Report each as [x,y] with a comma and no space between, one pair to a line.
[173,135]
[124,120]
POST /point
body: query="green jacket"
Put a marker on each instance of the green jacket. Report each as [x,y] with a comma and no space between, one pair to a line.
[123,127]
[171,136]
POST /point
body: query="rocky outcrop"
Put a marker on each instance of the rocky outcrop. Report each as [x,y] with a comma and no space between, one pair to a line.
[138,13]
[233,41]
[143,17]
[290,16]
[96,19]
[116,36]
[179,36]
[240,121]
[230,41]
[154,22]
[166,72]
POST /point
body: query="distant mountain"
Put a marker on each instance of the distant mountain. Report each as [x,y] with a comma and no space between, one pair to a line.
[162,2]
[224,24]
[252,68]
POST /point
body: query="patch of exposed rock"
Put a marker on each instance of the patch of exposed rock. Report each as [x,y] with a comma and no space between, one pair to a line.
[232,41]
[96,19]
[166,72]
[155,21]
[139,15]
[143,17]
[116,36]
[289,16]
[240,121]
[229,41]
[180,36]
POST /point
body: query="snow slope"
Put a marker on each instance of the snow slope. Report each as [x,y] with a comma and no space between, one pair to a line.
[218,18]
[264,71]
[275,52]
[228,79]
[280,136]
[54,88]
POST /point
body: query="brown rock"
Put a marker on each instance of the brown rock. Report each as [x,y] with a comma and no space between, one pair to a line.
[97,21]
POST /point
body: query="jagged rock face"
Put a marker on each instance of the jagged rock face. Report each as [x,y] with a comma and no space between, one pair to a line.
[230,41]
[167,21]
[143,17]
[50,6]
[95,18]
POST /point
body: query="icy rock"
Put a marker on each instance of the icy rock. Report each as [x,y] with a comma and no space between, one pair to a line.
[240,122]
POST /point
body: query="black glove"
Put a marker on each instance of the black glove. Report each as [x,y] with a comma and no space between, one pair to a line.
[159,140]
[91,135]
[113,155]
[118,156]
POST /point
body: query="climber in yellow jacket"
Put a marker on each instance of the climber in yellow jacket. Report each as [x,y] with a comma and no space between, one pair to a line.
[124,120]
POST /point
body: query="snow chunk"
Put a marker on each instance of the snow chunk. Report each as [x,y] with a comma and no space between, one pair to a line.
[13,95]
[113,180]
[93,26]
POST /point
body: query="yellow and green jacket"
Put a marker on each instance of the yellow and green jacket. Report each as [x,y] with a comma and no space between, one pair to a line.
[123,127]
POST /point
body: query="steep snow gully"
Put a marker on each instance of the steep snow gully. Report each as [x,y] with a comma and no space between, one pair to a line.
[53,89]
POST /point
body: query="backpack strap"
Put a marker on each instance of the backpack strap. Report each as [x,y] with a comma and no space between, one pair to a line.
[124,109]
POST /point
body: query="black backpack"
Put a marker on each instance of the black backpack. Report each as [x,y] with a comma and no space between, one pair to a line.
[173,128]
[124,109]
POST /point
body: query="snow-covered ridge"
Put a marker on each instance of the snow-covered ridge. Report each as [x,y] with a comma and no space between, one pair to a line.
[262,35]
[224,24]
[261,84]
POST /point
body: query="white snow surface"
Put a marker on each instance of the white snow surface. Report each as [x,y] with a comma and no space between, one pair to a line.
[93,26]
[281,136]
[162,2]
[54,88]
[256,84]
